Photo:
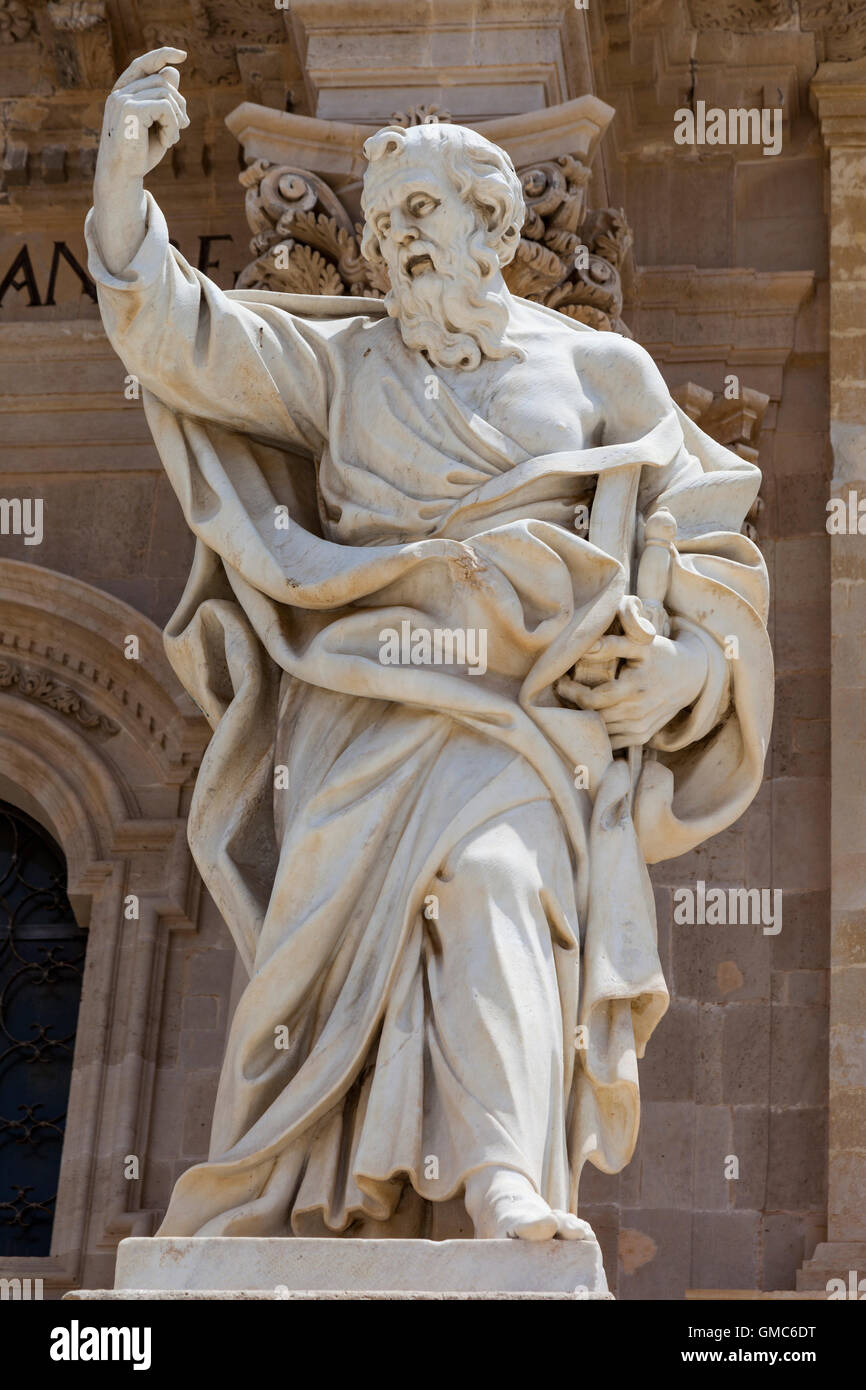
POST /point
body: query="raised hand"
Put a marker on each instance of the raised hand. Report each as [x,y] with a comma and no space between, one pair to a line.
[144,115]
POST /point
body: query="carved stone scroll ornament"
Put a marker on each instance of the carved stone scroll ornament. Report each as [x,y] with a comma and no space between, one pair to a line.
[57,695]
[303,238]
[305,242]
[569,259]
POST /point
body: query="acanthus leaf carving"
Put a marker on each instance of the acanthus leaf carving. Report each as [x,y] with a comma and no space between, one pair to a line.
[567,260]
[38,685]
[294,211]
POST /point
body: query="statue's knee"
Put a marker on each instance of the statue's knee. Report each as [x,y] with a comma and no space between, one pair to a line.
[496,866]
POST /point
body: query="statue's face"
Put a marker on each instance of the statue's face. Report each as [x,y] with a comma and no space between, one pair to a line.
[445,281]
[419,219]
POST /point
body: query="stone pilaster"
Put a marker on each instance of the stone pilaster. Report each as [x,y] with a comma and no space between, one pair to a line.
[839,95]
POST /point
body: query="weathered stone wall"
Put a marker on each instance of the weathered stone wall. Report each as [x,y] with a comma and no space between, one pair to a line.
[739,1065]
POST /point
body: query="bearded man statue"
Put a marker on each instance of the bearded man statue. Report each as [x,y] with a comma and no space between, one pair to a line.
[435,873]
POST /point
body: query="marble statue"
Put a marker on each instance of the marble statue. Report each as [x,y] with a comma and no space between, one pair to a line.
[478,636]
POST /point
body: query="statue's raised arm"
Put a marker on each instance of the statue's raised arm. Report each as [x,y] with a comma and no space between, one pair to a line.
[192,346]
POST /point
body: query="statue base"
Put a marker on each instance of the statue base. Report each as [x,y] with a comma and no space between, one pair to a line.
[242,1267]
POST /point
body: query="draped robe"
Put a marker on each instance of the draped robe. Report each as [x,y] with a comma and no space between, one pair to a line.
[332,499]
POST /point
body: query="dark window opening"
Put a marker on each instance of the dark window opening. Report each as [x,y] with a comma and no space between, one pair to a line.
[41,964]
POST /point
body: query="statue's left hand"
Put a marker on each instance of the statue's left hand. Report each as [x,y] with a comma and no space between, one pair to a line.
[658,679]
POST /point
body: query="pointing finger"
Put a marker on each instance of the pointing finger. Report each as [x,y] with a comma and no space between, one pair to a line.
[148,64]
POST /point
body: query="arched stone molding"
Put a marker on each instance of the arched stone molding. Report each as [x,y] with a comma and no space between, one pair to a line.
[103,751]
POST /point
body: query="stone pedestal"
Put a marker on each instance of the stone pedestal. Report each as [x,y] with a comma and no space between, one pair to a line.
[240,1267]
[835,1260]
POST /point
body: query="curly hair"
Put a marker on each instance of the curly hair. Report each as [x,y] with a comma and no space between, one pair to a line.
[481,172]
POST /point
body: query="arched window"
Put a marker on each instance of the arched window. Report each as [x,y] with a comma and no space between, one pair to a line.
[41,963]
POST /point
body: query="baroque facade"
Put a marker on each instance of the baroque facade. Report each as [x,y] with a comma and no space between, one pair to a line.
[738,270]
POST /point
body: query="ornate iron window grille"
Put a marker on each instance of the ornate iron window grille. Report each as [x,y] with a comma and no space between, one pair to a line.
[42,951]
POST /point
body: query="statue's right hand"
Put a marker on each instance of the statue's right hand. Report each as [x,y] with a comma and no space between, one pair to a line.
[144,115]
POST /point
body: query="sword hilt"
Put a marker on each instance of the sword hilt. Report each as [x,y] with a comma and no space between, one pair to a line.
[653,578]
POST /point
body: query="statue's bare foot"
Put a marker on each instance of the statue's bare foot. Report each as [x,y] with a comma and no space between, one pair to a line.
[503,1203]
[572,1228]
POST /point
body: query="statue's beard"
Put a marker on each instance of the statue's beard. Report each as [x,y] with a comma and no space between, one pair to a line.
[450,312]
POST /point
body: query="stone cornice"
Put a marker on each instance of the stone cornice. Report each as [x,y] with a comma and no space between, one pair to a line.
[838,94]
[325,147]
[701,290]
[334,148]
[686,314]
[367,15]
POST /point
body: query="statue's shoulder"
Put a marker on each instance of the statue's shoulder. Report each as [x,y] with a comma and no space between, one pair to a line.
[623,359]
[615,357]
[540,318]
[329,312]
